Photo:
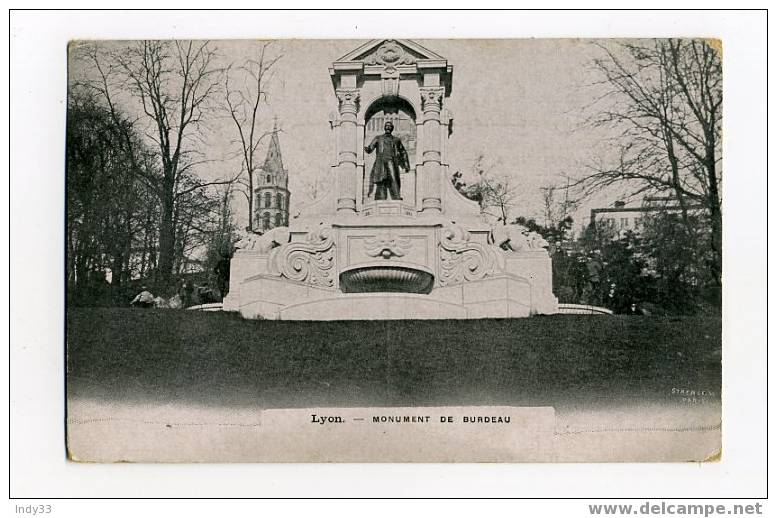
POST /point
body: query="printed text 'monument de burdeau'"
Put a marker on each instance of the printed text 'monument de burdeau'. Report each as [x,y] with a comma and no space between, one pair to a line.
[420,419]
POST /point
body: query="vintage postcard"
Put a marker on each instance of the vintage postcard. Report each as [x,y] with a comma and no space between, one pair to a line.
[394,250]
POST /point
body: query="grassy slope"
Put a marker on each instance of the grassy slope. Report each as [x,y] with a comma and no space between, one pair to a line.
[216,358]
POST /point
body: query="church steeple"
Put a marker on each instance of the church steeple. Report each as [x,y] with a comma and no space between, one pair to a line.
[273,163]
[272,191]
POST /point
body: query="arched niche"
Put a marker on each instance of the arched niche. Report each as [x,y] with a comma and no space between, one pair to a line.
[401,113]
[397,110]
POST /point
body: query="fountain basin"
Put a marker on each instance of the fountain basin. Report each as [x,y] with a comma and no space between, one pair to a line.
[394,277]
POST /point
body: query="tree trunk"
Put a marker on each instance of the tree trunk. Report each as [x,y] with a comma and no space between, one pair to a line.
[716,220]
[250,201]
[117,269]
[167,236]
[716,223]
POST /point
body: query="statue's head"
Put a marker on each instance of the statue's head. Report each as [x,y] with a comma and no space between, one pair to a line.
[388,127]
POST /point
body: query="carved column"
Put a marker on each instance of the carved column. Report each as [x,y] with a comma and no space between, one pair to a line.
[346,145]
[334,125]
[431,187]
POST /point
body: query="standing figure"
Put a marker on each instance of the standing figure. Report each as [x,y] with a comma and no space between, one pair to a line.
[222,271]
[389,158]
[187,293]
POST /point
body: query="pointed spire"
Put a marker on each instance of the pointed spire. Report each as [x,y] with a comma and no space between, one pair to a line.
[274,162]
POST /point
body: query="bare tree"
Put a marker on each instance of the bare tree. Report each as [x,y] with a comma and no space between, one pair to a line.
[662,100]
[172,85]
[243,102]
[496,193]
[557,203]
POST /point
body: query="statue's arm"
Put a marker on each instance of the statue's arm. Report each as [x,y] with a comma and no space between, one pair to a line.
[372,145]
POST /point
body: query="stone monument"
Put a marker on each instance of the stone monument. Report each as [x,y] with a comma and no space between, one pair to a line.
[430,254]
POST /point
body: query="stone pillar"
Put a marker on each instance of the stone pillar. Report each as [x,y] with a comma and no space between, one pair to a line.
[430,184]
[346,145]
[334,125]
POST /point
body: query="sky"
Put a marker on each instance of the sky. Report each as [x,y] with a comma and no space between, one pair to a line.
[519,102]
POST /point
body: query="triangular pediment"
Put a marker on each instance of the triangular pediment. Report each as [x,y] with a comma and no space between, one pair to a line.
[390,52]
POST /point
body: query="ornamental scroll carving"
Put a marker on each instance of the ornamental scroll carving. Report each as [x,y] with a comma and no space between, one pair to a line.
[386,245]
[348,100]
[390,55]
[461,260]
[431,98]
[308,262]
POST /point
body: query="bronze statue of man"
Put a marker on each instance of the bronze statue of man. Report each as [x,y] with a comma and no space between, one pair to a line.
[389,158]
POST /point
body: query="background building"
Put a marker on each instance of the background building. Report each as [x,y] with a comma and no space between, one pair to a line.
[271,196]
[623,218]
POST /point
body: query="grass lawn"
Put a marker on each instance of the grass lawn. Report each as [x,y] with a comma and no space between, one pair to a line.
[218,358]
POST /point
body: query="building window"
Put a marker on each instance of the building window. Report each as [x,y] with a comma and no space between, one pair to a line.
[624,222]
[266,221]
[269,179]
[279,200]
[278,220]
[267,200]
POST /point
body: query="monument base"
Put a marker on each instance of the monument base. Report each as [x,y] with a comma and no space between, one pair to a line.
[389,267]
[271,298]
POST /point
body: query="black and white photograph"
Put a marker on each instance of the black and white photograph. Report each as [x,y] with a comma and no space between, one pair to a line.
[388,254]
[394,250]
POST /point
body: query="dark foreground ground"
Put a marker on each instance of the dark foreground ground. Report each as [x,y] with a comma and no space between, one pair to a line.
[135,355]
